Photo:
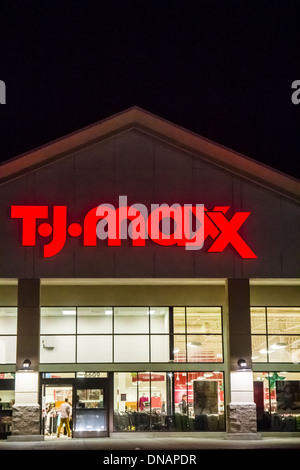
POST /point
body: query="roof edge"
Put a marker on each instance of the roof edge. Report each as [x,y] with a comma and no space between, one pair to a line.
[187,140]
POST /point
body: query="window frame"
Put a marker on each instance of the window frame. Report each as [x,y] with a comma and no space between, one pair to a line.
[11,335]
[170,334]
[267,335]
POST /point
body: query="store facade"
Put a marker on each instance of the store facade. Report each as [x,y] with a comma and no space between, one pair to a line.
[151,277]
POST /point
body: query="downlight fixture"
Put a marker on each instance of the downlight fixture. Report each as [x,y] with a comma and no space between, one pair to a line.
[26,366]
[242,366]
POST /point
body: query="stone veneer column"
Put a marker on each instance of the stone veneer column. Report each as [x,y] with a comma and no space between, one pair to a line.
[241,411]
[26,411]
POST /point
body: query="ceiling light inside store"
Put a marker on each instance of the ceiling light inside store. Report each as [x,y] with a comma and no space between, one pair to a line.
[194,344]
[69,312]
[265,351]
[108,312]
[278,346]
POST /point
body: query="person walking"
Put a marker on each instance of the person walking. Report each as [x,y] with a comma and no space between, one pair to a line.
[65,413]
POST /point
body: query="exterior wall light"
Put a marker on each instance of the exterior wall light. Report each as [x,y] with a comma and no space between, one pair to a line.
[242,365]
[26,365]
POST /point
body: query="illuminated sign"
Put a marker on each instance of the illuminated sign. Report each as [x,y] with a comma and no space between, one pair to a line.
[185,225]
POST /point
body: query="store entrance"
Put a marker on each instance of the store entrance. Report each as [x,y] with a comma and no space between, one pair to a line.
[88,400]
[53,397]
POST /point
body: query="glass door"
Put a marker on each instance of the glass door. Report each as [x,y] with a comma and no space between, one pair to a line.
[91,408]
[53,396]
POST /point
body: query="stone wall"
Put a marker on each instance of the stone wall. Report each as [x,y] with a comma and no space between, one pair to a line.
[241,418]
[25,420]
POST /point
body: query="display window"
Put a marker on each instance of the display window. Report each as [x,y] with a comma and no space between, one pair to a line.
[7,401]
[181,401]
[141,401]
[277,398]
[199,401]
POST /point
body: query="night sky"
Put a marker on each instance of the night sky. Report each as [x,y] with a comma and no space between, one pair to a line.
[220,68]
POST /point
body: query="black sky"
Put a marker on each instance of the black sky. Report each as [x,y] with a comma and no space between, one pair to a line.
[220,68]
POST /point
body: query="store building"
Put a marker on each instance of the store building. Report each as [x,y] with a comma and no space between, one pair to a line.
[185,318]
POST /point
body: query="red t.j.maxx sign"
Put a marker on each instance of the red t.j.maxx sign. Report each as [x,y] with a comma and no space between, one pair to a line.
[182,225]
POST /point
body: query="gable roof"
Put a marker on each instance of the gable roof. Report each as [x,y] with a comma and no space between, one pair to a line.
[137,118]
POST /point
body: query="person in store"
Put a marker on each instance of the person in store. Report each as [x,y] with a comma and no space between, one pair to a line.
[65,414]
[183,405]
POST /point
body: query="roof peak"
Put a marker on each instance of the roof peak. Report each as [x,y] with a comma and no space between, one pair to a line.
[139,118]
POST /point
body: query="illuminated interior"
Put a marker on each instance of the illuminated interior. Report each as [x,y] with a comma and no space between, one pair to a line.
[275,334]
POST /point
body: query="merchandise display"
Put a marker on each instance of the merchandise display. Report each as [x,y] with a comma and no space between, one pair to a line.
[168,402]
[277,401]
[7,400]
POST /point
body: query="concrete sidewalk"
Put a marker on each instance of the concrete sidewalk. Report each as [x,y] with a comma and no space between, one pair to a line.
[148,442]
